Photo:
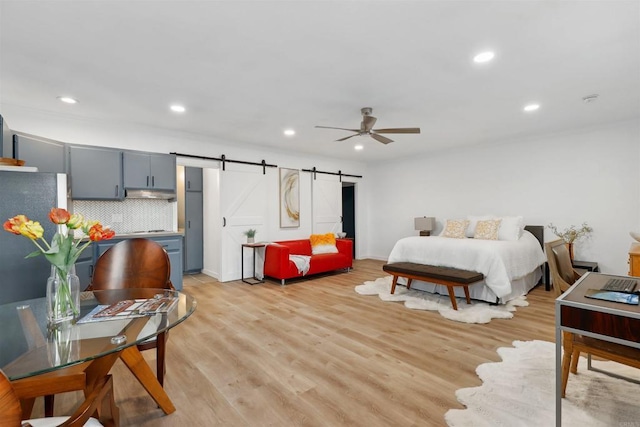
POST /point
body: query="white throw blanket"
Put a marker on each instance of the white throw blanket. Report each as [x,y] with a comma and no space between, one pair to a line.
[302,262]
[500,261]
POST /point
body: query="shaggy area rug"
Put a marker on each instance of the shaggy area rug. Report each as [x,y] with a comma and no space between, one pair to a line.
[476,312]
[520,391]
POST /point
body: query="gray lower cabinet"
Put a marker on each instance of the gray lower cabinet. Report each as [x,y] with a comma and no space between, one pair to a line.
[45,154]
[193,229]
[95,173]
[149,171]
[84,267]
[172,244]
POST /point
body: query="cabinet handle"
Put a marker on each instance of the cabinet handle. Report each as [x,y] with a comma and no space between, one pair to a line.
[188,184]
[153,181]
[147,180]
[117,190]
[91,271]
[188,224]
[224,221]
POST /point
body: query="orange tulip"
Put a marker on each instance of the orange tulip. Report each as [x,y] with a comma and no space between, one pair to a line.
[59,216]
[97,233]
[12,225]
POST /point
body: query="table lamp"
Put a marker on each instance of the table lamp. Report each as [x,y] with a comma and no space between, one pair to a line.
[425,224]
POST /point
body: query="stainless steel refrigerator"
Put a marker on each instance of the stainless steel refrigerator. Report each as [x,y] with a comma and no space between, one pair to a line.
[32,194]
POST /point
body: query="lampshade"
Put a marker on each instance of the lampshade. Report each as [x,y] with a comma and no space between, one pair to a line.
[424,223]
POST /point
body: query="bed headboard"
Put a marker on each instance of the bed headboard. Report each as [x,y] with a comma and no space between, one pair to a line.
[538,232]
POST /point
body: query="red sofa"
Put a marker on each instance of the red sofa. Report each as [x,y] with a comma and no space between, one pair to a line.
[278,266]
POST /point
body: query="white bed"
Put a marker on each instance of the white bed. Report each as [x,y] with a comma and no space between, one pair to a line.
[510,268]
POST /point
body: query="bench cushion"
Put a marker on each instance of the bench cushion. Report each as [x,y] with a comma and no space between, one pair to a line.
[429,271]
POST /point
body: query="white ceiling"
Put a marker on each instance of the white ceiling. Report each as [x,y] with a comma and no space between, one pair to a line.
[246,70]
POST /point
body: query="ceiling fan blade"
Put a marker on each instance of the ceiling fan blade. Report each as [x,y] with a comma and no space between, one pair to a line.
[397,130]
[329,127]
[367,123]
[381,138]
[346,137]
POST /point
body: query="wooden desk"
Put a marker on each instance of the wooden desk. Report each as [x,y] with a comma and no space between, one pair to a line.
[41,362]
[609,321]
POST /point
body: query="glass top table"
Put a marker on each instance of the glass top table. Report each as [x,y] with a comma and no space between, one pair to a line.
[29,347]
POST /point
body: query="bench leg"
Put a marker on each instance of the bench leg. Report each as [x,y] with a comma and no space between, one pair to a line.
[452,297]
[466,294]
[393,285]
[409,283]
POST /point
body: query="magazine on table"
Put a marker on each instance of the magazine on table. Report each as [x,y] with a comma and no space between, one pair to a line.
[132,308]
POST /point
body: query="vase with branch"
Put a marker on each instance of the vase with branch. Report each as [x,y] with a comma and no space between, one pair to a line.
[571,234]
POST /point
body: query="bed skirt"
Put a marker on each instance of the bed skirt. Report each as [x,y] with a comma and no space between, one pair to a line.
[480,291]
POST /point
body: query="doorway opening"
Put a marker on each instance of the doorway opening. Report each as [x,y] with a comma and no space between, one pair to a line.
[349,212]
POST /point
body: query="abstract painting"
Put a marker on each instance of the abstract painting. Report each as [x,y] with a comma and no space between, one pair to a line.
[289,198]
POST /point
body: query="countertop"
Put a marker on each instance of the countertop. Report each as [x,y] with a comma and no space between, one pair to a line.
[130,235]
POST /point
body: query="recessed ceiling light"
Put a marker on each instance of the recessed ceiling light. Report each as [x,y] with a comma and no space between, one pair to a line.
[483,57]
[68,99]
[358,147]
[289,132]
[178,108]
[531,107]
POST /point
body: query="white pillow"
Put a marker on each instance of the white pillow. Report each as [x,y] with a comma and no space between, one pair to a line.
[511,228]
[473,221]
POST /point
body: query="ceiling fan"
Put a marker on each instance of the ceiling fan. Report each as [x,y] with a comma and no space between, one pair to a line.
[366,128]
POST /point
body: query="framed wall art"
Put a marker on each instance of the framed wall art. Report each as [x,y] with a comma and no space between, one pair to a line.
[289,198]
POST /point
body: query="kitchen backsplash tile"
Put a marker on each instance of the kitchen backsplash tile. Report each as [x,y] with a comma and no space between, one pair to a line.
[130,214]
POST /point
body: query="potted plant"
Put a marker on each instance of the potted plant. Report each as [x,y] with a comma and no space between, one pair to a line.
[250,233]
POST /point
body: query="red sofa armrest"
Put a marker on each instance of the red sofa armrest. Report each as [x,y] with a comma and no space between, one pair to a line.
[345,247]
[276,260]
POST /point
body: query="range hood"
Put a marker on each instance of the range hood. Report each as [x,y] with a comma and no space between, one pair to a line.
[133,193]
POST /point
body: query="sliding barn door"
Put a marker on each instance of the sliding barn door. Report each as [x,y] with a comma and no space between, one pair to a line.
[243,205]
[326,202]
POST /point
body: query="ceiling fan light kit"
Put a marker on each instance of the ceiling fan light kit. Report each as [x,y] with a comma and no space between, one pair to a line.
[366,128]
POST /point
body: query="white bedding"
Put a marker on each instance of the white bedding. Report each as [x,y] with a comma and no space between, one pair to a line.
[500,261]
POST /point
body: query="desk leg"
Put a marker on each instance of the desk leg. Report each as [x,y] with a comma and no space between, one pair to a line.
[558,368]
[140,369]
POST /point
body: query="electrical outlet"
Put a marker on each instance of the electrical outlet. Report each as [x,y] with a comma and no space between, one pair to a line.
[116,218]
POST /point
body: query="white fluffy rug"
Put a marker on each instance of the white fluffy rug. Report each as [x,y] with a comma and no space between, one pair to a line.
[520,391]
[476,312]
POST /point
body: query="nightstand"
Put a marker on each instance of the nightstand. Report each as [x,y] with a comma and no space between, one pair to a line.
[586,265]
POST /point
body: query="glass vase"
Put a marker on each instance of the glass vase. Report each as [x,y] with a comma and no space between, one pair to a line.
[63,295]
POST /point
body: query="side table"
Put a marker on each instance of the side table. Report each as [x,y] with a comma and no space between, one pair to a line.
[586,265]
[253,280]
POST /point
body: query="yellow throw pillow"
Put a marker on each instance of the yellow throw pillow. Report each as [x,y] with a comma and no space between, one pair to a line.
[488,229]
[323,244]
[455,228]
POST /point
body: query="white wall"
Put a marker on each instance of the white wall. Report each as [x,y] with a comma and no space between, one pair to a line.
[589,176]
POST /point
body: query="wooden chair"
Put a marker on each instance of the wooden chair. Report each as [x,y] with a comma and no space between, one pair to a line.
[100,402]
[564,276]
[562,272]
[136,263]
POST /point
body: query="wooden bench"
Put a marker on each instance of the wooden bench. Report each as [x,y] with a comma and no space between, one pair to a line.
[446,276]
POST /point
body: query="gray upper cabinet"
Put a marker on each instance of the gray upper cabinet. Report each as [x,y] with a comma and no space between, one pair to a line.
[95,173]
[193,179]
[45,154]
[146,171]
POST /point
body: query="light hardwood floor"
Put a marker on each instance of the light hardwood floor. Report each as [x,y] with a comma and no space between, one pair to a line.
[315,353]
